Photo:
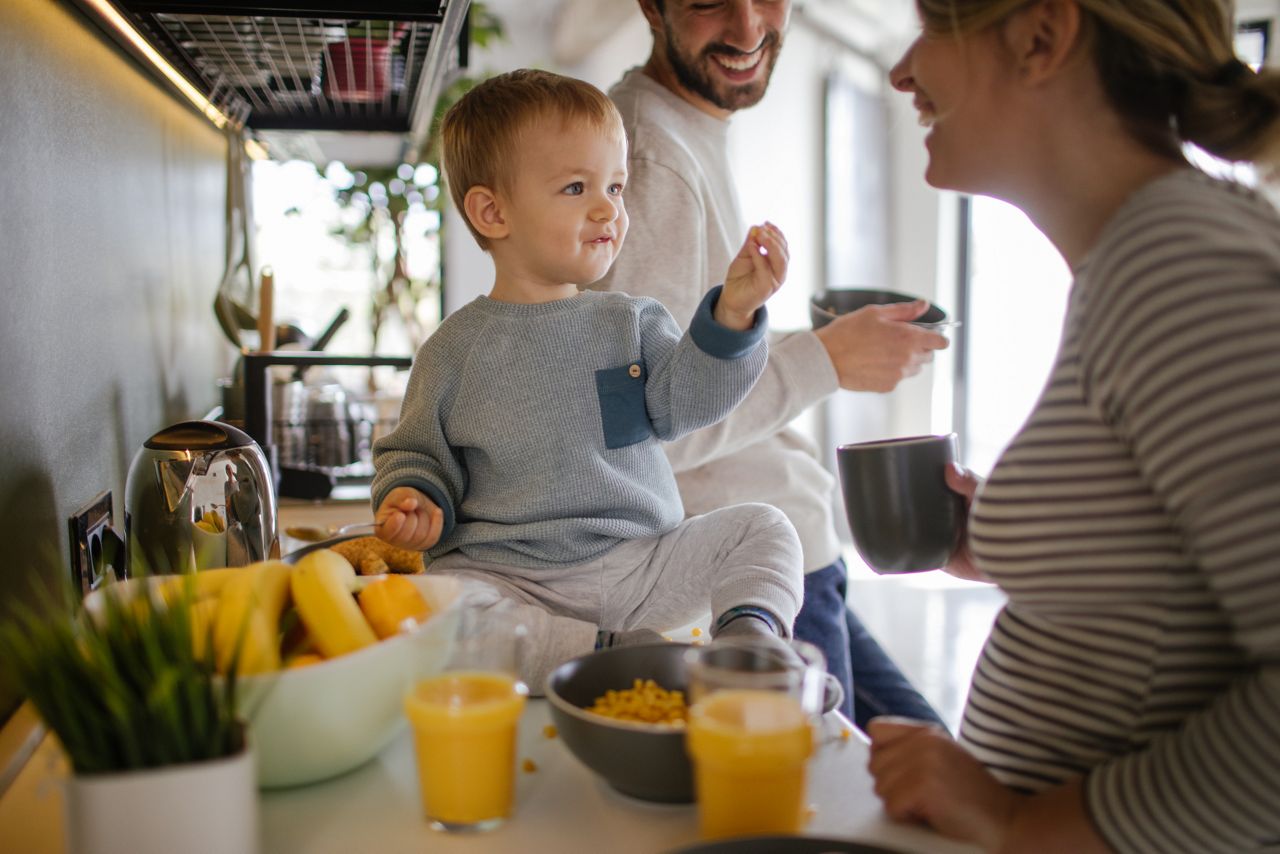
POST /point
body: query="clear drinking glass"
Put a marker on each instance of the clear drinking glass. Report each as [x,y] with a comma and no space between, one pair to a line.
[751,732]
[464,723]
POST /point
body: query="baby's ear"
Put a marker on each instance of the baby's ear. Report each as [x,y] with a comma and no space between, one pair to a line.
[484,212]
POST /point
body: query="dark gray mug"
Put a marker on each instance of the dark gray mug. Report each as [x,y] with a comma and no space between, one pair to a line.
[902,514]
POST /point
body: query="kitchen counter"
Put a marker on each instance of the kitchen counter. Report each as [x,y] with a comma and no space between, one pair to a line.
[561,806]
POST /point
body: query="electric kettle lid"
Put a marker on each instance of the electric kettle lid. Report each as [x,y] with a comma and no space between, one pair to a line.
[198,436]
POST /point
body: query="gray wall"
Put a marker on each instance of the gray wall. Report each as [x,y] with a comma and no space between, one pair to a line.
[111,241]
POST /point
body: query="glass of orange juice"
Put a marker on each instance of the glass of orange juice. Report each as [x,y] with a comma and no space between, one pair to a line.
[751,733]
[464,723]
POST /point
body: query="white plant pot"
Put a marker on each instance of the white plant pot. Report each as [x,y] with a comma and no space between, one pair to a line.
[200,808]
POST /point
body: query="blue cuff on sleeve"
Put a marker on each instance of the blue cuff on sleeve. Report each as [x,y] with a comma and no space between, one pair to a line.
[721,341]
[431,491]
[762,614]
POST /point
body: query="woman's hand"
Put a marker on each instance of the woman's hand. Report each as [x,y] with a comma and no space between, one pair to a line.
[923,776]
[966,483]
[408,519]
[754,275]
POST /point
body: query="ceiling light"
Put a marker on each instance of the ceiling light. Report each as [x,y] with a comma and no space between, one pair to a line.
[109,13]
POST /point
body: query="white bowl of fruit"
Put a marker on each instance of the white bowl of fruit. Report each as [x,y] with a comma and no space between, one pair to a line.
[323,656]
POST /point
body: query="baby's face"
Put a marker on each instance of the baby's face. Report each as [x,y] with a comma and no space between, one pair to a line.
[565,212]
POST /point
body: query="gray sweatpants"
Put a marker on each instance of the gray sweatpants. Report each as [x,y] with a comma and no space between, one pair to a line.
[747,554]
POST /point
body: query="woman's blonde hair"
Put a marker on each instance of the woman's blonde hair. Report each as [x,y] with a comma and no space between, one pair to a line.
[481,133]
[1167,66]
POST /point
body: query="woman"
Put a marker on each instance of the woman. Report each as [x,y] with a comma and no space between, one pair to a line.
[1128,697]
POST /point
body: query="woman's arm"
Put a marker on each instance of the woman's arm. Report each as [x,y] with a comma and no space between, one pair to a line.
[923,776]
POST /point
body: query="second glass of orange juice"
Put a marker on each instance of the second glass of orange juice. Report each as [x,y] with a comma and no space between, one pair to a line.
[464,728]
[750,734]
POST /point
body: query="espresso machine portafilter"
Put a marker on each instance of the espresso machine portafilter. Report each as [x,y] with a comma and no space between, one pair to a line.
[199,495]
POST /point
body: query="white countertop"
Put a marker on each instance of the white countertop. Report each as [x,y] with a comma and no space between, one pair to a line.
[561,807]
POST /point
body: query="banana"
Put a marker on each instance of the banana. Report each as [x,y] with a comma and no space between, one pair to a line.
[204,613]
[322,584]
[211,522]
[248,617]
[203,584]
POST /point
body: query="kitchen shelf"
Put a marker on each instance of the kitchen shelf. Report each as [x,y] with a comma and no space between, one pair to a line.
[303,66]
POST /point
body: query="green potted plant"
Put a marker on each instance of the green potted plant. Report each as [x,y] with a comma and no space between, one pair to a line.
[128,686]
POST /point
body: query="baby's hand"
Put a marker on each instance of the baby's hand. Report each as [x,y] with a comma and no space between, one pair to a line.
[754,276]
[408,519]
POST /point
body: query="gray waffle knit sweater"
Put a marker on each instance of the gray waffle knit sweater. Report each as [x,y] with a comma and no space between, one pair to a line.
[536,428]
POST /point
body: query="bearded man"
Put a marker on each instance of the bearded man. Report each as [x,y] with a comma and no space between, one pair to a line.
[711,58]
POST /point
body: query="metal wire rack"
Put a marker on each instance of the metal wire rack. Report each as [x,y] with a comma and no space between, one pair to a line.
[286,65]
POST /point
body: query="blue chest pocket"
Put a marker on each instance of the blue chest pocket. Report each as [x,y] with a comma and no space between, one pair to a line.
[622,411]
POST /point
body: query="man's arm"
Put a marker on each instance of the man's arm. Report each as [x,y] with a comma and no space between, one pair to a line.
[665,257]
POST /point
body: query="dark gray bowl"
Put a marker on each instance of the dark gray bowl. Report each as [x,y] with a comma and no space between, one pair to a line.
[826,306]
[646,761]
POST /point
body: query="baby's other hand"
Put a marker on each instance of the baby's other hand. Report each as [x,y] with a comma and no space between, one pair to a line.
[755,274]
[408,519]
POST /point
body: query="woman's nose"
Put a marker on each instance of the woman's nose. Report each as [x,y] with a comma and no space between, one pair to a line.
[900,75]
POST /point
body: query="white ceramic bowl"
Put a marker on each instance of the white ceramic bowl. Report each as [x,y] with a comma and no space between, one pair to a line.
[310,723]
[315,722]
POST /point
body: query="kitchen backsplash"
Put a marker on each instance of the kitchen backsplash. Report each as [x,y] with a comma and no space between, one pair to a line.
[111,231]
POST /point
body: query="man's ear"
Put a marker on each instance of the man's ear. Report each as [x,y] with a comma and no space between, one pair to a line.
[484,212]
[649,8]
[1043,37]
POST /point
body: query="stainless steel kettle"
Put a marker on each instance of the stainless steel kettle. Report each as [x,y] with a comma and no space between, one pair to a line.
[199,495]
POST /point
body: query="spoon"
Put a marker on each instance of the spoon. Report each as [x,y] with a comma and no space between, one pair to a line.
[317,533]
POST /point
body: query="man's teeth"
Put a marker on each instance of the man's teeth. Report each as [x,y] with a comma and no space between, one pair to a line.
[742,63]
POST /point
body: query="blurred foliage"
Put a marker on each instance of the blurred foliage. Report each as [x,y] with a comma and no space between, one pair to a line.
[382,200]
[124,688]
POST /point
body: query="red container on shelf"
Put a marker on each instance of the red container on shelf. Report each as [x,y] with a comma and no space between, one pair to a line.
[358,69]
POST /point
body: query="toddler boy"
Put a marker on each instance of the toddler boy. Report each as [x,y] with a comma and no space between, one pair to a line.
[527,453]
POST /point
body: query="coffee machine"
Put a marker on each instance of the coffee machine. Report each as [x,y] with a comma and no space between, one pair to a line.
[199,495]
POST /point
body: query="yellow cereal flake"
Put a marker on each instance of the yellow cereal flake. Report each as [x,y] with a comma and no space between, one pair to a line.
[529,766]
[697,632]
[549,731]
[846,734]
[644,702]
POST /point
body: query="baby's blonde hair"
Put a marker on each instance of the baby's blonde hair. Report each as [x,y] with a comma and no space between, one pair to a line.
[1168,67]
[481,133]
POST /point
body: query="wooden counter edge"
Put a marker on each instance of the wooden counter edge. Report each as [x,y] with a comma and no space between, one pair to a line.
[19,738]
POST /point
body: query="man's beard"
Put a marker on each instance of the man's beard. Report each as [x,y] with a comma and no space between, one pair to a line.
[693,75]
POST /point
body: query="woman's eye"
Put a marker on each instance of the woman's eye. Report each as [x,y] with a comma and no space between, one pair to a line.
[574,189]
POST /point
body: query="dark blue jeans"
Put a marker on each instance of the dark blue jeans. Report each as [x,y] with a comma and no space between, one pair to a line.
[873,684]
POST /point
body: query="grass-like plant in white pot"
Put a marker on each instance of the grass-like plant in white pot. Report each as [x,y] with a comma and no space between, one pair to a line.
[159,761]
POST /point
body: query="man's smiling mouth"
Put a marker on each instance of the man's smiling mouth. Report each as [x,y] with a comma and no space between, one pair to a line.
[740,62]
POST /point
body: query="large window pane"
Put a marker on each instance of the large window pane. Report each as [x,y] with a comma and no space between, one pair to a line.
[1017,296]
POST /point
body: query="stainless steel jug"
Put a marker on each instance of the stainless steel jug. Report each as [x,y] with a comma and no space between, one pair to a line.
[199,495]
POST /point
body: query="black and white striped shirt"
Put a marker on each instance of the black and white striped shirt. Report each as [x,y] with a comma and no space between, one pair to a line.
[1134,524]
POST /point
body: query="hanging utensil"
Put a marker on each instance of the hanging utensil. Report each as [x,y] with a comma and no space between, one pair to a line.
[230,312]
[266,312]
[325,337]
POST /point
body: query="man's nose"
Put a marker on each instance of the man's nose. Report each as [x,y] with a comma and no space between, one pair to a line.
[745,27]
